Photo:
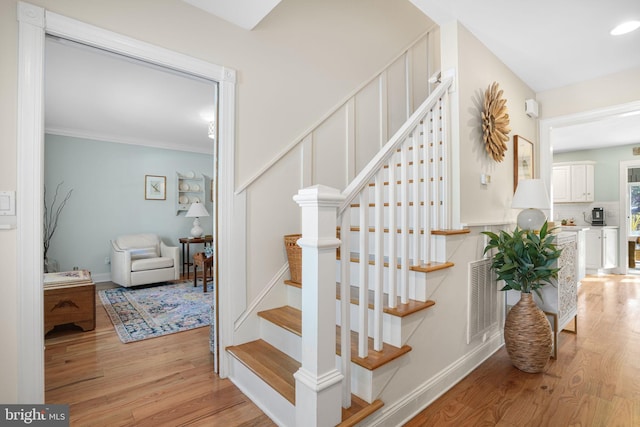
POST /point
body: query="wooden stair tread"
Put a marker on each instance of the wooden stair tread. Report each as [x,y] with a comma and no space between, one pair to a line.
[424,268]
[400,310]
[286,317]
[385,204]
[290,319]
[374,359]
[451,231]
[276,369]
[270,364]
[358,411]
[444,232]
[292,283]
[431,266]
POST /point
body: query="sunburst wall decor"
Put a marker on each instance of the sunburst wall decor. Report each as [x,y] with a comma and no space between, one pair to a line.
[495,122]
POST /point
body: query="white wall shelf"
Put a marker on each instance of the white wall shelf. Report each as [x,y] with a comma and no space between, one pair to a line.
[190,188]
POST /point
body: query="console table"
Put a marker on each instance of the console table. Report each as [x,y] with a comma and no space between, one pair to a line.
[186,242]
[560,302]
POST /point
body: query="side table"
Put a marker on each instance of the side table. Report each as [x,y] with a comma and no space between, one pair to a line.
[200,259]
[186,242]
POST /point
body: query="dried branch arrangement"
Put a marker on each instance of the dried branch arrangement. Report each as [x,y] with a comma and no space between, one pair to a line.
[51,216]
[495,122]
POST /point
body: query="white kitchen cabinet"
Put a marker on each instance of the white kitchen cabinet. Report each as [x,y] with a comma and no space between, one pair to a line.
[601,247]
[573,182]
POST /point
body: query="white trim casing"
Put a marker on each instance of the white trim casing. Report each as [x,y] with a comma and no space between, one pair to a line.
[34,23]
[30,169]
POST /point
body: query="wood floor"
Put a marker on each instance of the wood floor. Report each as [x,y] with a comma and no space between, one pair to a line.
[594,382]
[168,381]
[165,381]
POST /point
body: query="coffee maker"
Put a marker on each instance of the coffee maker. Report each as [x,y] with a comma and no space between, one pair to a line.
[597,216]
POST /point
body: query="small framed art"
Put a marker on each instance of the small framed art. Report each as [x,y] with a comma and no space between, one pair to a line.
[523,160]
[155,187]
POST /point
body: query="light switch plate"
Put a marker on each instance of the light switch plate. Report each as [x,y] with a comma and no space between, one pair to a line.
[7,203]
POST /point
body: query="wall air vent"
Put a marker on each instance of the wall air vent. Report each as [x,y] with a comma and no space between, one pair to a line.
[483,299]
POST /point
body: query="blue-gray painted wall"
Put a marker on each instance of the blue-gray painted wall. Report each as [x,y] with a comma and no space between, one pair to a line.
[108,197]
[606,170]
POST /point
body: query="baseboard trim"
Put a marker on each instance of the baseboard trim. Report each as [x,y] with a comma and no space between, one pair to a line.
[404,410]
[101,277]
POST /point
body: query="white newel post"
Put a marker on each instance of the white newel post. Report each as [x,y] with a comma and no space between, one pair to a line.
[318,382]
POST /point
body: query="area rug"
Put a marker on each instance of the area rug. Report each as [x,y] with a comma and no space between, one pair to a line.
[149,312]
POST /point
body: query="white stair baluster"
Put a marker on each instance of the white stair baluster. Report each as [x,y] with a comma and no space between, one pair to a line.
[404,223]
[345,305]
[415,195]
[392,249]
[363,250]
[426,218]
[379,262]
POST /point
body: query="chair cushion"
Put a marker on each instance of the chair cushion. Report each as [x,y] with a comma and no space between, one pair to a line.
[151,263]
[142,253]
[131,241]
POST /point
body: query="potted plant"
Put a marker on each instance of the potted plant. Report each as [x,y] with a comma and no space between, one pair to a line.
[525,260]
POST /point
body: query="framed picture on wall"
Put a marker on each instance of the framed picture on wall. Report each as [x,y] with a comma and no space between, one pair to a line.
[155,187]
[523,160]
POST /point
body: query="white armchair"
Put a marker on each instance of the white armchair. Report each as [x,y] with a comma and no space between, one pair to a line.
[139,259]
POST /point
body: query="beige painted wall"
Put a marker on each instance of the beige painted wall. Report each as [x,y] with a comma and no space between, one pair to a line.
[478,68]
[615,89]
[295,65]
[8,117]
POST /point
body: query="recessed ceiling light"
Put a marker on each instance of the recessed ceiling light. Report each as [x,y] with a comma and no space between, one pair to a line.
[625,27]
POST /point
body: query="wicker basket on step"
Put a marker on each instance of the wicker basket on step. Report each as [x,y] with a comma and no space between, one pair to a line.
[294,255]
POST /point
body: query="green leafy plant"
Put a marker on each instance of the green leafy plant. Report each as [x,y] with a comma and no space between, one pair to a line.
[524,259]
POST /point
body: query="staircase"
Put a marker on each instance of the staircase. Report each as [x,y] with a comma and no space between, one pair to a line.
[401,201]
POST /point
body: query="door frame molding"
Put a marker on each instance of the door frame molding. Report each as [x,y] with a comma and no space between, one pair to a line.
[623,235]
[546,153]
[33,24]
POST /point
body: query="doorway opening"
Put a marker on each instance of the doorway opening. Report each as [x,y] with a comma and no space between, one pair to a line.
[630,205]
[30,143]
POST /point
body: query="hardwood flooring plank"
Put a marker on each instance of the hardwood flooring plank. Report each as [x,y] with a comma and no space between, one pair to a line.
[164,381]
[594,382]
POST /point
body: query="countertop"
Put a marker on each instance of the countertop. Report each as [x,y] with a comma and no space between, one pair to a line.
[574,228]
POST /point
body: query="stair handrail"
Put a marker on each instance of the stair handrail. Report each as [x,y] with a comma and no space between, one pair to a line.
[382,157]
[330,113]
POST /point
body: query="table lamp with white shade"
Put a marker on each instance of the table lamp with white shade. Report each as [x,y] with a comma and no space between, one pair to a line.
[531,196]
[196,210]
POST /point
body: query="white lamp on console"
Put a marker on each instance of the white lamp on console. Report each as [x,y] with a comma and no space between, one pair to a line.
[196,210]
[531,196]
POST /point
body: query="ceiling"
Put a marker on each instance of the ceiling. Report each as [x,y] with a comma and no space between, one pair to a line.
[97,95]
[548,44]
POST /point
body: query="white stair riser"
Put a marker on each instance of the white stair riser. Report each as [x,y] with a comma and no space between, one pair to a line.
[354,244]
[276,407]
[287,342]
[417,280]
[354,216]
[294,297]
[365,384]
[392,332]
[368,385]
